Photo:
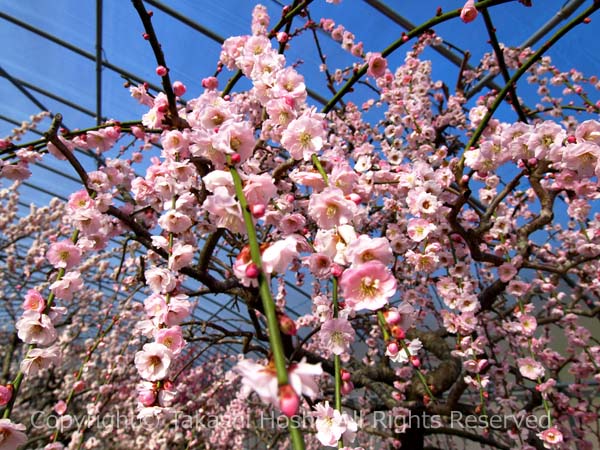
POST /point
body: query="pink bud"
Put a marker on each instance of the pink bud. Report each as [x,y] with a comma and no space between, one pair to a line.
[345,375]
[571,139]
[392,317]
[290,198]
[236,158]
[288,400]
[147,398]
[415,361]
[287,325]
[398,332]
[468,12]
[336,270]
[179,88]
[354,198]
[289,101]
[60,408]
[161,71]
[79,386]
[282,37]
[258,210]
[392,348]
[210,83]
[347,387]
[252,270]
[5,394]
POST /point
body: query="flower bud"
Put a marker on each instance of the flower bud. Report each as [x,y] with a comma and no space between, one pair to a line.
[347,387]
[161,71]
[179,88]
[287,325]
[258,210]
[392,348]
[252,270]
[288,400]
[5,394]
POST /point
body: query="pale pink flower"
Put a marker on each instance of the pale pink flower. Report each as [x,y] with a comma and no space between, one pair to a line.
[337,335]
[34,301]
[263,379]
[36,328]
[468,12]
[329,424]
[530,368]
[330,208]
[259,189]
[177,310]
[320,265]
[582,158]
[303,137]
[301,376]
[64,254]
[278,255]
[507,272]
[160,280]
[260,379]
[291,223]
[38,359]
[368,286]
[153,361]
[172,338]
[377,65]
[235,137]
[11,435]
[419,229]
[174,222]
[155,305]
[181,256]
[67,286]
[551,437]
[366,248]
[290,85]
[529,324]
[588,130]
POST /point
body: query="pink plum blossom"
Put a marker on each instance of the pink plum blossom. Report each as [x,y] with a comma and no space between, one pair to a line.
[303,137]
[160,279]
[153,361]
[330,208]
[368,286]
[530,368]
[12,435]
[366,248]
[419,229]
[67,286]
[551,437]
[337,335]
[377,65]
[172,338]
[34,301]
[39,358]
[64,254]
[36,328]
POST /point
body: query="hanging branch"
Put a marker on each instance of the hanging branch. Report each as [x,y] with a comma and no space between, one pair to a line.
[514,99]
[150,35]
